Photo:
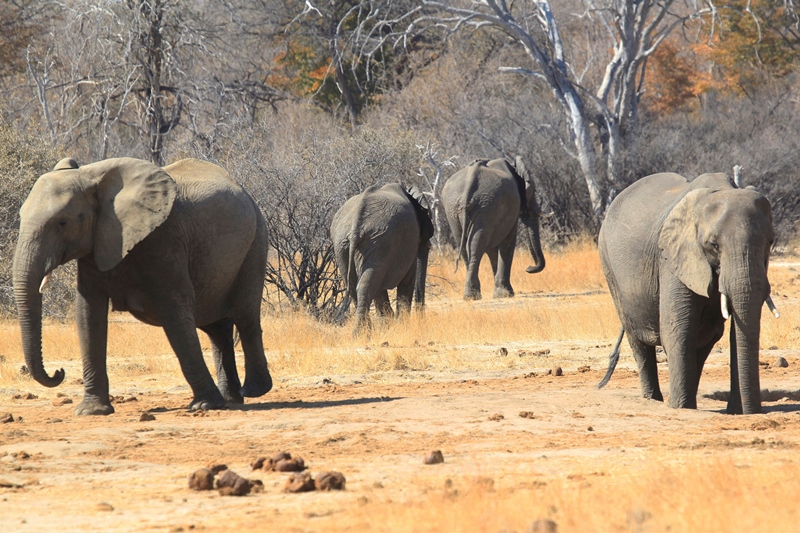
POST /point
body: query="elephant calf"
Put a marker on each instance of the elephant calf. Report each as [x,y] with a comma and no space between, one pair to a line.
[381,239]
[681,258]
[181,247]
[482,203]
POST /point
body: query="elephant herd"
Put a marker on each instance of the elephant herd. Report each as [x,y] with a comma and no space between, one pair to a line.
[184,247]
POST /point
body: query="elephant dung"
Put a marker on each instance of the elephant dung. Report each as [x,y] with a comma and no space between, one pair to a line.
[232,484]
[557,371]
[6,418]
[147,417]
[257,463]
[216,468]
[62,401]
[299,482]
[329,481]
[434,458]
[780,362]
[290,465]
[202,479]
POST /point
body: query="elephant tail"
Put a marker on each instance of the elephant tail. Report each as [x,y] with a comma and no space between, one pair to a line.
[612,359]
[462,245]
[352,275]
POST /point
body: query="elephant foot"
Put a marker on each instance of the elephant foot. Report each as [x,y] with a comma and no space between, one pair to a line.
[93,406]
[199,404]
[255,387]
[231,395]
[503,292]
[472,295]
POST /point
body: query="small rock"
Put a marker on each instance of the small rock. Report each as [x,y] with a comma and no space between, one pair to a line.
[526,414]
[329,481]
[543,526]
[548,372]
[557,371]
[104,506]
[289,465]
[77,381]
[6,418]
[590,428]
[431,343]
[146,417]
[584,368]
[232,484]
[497,417]
[502,351]
[772,348]
[202,479]
[258,463]
[780,362]
[62,401]
[540,353]
[29,396]
[661,358]
[434,458]
[23,371]
[377,485]
[299,482]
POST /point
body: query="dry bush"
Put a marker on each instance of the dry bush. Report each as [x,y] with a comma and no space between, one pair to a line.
[24,156]
[300,168]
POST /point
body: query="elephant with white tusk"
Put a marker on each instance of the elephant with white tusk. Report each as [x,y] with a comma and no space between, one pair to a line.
[680,259]
[181,247]
[483,202]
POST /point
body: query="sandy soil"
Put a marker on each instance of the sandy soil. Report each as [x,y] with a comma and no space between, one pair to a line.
[505,431]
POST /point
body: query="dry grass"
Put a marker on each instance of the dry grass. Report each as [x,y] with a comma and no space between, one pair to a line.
[703,494]
[567,303]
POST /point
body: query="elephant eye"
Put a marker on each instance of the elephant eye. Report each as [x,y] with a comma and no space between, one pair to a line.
[62,223]
[714,245]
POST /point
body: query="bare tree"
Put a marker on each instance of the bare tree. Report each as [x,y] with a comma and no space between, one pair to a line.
[601,111]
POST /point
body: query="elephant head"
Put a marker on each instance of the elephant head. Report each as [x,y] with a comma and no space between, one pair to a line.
[717,243]
[100,210]
[422,209]
[530,214]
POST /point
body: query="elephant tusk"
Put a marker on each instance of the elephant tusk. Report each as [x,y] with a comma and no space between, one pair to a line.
[546,215]
[723,300]
[45,283]
[772,307]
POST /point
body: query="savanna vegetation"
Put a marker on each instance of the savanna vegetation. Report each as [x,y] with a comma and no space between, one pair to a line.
[307,104]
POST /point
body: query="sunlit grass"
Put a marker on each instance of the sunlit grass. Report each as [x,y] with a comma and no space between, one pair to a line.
[566,303]
[700,494]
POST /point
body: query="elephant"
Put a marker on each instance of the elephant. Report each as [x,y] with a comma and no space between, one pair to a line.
[680,258]
[180,247]
[381,240]
[482,203]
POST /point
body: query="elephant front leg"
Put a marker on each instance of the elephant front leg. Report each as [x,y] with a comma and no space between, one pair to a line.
[679,318]
[91,311]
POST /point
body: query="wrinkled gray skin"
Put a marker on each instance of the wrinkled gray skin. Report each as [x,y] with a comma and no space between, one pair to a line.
[182,247]
[381,239]
[669,248]
[483,202]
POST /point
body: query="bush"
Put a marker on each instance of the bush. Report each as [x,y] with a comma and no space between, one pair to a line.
[24,156]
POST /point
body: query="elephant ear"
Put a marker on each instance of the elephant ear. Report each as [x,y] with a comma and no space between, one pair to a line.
[66,164]
[134,197]
[680,249]
[422,210]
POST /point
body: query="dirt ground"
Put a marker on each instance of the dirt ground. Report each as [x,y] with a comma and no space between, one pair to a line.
[503,434]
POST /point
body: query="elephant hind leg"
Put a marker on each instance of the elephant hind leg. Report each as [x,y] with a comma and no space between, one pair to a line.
[221,336]
[502,270]
[645,356]
[257,379]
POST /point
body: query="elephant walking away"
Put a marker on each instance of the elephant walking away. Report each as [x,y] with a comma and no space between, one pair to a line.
[181,247]
[681,258]
[381,240]
[482,203]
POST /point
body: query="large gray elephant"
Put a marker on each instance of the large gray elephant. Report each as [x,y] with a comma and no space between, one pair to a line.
[181,247]
[381,239]
[482,203]
[680,258]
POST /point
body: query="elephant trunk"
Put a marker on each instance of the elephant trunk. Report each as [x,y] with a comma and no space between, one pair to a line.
[534,243]
[28,277]
[745,301]
[422,272]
